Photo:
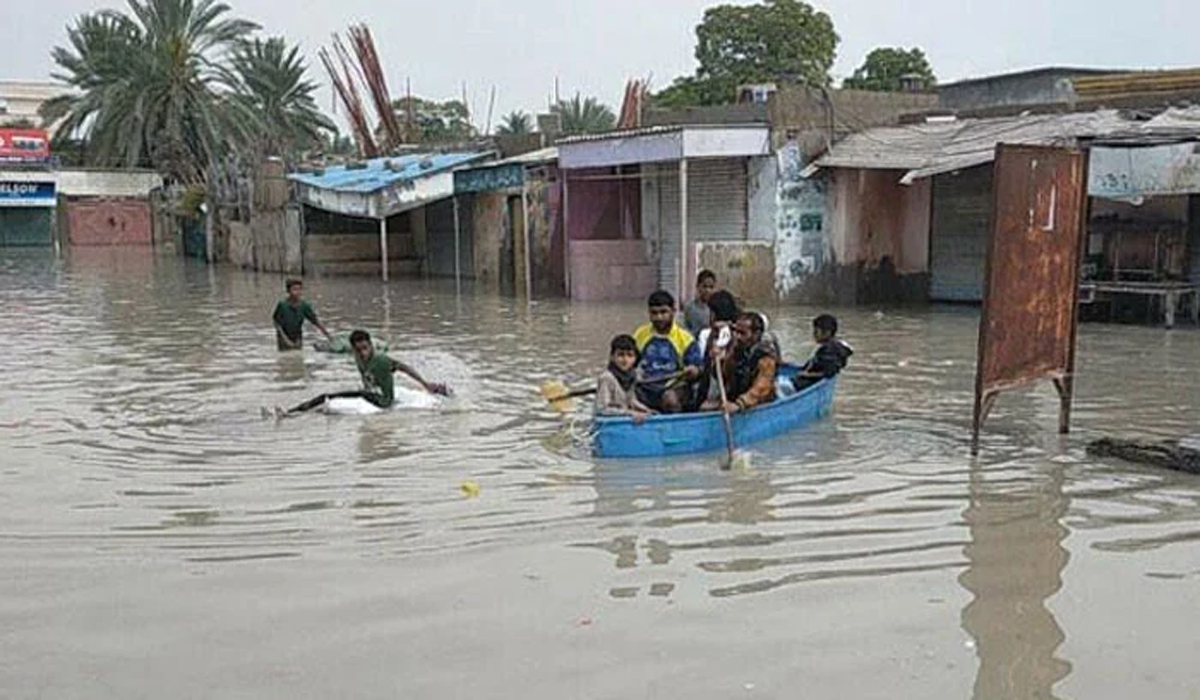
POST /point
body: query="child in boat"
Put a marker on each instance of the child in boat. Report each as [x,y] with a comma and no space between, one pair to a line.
[666,350]
[376,369]
[717,337]
[697,315]
[616,391]
[830,357]
[749,370]
[290,315]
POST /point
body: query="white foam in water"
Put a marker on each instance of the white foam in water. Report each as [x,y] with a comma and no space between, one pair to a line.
[434,366]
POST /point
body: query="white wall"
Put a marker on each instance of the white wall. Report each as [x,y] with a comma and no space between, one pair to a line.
[762,198]
[107,183]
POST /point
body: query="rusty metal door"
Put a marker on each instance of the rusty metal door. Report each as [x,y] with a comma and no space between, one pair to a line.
[1031,289]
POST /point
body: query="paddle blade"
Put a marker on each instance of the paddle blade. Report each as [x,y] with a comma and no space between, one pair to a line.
[554,391]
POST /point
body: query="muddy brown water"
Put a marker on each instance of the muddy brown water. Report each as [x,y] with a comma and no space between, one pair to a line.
[160,539]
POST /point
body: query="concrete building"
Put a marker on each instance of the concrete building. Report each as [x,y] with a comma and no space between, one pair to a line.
[510,213]
[645,209]
[21,100]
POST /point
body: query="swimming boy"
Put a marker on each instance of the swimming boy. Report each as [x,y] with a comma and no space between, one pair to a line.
[830,357]
[697,315]
[376,369]
[666,349]
[616,392]
[750,368]
[290,315]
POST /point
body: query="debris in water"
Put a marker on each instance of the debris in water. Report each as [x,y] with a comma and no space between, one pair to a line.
[585,622]
[470,489]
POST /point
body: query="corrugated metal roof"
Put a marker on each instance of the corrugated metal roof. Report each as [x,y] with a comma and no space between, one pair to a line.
[652,131]
[924,150]
[377,175]
[544,155]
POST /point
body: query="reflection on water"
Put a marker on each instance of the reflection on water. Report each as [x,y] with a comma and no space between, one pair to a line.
[148,512]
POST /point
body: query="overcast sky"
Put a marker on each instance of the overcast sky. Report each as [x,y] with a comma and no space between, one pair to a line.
[593,46]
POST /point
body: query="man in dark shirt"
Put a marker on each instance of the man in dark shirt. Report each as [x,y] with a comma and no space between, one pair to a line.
[290,315]
[830,357]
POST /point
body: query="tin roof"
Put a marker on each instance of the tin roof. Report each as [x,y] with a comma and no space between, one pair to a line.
[377,174]
[652,131]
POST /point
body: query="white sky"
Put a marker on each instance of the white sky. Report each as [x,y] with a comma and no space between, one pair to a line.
[593,46]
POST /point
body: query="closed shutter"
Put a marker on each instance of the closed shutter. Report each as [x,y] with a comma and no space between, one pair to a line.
[962,208]
[669,252]
[439,233]
[26,226]
[717,200]
[1194,239]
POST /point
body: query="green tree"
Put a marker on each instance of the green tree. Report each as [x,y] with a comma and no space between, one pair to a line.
[516,123]
[270,82]
[771,41]
[584,115]
[153,89]
[886,69]
[433,122]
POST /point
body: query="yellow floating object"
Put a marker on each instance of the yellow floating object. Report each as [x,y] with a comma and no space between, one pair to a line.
[470,489]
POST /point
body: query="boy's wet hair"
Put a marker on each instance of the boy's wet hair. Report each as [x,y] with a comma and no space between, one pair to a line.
[756,321]
[661,298]
[292,283]
[622,343]
[359,336]
[723,306]
[705,275]
[826,323]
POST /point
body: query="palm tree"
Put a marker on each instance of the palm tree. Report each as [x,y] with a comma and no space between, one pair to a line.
[270,83]
[584,116]
[152,88]
[517,122]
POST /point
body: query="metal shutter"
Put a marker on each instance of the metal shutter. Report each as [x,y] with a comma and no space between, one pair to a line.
[962,208]
[26,226]
[717,200]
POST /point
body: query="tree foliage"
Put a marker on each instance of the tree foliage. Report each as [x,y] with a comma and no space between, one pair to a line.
[516,123]
[885,69]
[581,115]
[433,122]
[178,85]
[770,41]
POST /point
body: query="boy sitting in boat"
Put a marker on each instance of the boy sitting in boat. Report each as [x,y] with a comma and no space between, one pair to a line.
[376,369]
[749,370]
[697,314]
[830,357]
[666,350]
[290,315]
[616,390]
[718,336]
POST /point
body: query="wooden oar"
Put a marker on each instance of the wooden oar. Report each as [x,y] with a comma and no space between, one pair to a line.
[725,417]
[556,392]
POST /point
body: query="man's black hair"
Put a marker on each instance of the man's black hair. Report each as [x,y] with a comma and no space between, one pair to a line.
[756,321]
[826,323]
[292,283]
[705,275]
[723,306]
[359,336]
[623,342]
[661,298]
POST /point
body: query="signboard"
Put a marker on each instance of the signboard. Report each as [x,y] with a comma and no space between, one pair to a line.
[27,194]
[1031,290]
[500,177]
[1133,173]
[24,146]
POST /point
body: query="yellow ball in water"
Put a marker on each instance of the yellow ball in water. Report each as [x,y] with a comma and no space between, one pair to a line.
[470,489]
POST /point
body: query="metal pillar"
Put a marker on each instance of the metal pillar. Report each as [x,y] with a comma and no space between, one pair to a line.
[383,248]
[683,229]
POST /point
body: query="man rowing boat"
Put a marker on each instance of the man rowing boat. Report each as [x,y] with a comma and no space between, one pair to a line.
[376,369]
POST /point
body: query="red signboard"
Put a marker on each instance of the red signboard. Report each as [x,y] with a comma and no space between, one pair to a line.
[1031,294]
[24,145]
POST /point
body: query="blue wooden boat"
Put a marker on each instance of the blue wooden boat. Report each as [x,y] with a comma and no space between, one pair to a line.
[691,433]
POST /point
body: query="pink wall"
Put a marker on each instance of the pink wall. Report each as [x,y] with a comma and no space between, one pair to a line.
[610,270]
[874,216]
[603,209]
[96,221]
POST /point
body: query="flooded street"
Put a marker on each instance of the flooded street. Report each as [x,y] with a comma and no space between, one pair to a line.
[161,539]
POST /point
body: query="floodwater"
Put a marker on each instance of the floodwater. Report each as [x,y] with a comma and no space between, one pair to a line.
[160,539]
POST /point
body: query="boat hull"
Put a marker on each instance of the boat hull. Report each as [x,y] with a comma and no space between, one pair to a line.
[694,433]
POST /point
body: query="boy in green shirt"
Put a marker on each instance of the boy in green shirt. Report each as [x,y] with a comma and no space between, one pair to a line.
[376,369]
[290,315]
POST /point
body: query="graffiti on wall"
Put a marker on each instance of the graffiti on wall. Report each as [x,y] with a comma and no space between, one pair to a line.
[802,243]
